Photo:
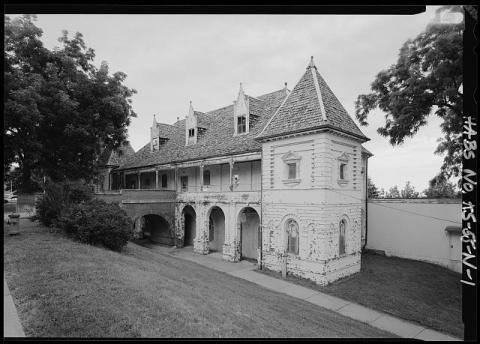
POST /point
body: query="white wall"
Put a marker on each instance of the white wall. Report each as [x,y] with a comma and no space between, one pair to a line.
[393,228]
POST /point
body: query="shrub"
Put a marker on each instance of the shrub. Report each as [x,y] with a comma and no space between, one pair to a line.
[51,204]
[98,223]
[58,198]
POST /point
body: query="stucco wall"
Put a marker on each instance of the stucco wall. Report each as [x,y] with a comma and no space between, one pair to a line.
[394,228]
[317,201]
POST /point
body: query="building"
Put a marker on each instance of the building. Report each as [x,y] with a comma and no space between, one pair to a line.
[279,178]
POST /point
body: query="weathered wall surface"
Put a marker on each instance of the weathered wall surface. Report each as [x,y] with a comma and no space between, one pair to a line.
[318,201]
[415,229]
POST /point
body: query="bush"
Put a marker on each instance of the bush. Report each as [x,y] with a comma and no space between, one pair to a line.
[98,223]
[58,198]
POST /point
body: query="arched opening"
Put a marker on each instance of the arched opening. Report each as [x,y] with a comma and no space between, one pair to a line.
[189,225]
[249,224]
[157,229]
[216,230]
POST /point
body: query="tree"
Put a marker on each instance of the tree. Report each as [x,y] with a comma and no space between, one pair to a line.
[439,187]
[393,193]
[60,109]
[409,191]
[381,193]
[427,78]
[372,189]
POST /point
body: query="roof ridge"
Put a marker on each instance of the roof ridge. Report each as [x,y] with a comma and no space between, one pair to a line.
[319,94]
[276,111]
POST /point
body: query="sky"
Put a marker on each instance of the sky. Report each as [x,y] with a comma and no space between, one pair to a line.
[173,59]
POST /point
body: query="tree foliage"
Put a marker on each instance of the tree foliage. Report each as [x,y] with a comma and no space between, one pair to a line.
[427,78]
[439,187]
[372,189]
[409,191]
[393,192]
[60,109]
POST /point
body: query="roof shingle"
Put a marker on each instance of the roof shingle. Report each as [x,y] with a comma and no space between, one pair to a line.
[302,110]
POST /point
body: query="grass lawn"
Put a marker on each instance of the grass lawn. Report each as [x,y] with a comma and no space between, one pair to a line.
[64,288]
[419,292]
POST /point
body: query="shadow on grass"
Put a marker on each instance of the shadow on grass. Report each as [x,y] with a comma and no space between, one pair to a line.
[420,292]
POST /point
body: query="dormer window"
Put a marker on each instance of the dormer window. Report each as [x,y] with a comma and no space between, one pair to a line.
[155,144]
[191,132]
[241,124]
[241,111]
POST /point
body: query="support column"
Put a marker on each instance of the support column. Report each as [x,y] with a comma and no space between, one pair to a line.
[138,178]
[176,178]
[200,244]
[156,179]
[231,174]
[201,176]
[124,179]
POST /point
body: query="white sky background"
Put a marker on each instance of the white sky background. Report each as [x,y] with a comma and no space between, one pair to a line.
[172,59]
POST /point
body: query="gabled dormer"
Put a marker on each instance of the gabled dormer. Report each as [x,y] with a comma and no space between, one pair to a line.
[156,137]
[241,113]
[191,127]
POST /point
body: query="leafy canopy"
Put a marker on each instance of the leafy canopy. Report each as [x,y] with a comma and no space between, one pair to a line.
[60,109]
[426,79]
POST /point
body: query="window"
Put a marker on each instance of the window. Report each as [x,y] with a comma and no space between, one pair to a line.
[191,132]
[292,170]
[343,170]
[155,144]
[241,125]
[343,160]
[206,177]
[341,243]
[184,182]
[291,228]
[164,180]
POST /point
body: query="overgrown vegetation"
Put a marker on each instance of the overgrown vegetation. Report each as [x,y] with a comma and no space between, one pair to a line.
[71,207]
[58,198]
[97,222]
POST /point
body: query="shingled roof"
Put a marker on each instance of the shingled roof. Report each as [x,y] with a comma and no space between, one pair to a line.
[217,140]
[115,157]
[310,105]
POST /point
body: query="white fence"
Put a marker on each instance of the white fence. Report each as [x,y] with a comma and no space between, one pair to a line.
[415,229]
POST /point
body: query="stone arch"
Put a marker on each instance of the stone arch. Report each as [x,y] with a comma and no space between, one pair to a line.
[215,225]
[248,226]
[189,224]
[283,232]
[155,227]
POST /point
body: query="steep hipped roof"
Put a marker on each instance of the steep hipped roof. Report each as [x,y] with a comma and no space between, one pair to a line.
[218,139]
[310,105]
[116,157]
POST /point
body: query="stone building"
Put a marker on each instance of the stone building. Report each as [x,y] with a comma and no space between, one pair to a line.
[279,178]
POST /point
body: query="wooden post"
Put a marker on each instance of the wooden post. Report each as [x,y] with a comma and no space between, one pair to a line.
[201,176]
[176,178]
[156,179]
[138,178]
[231,174]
